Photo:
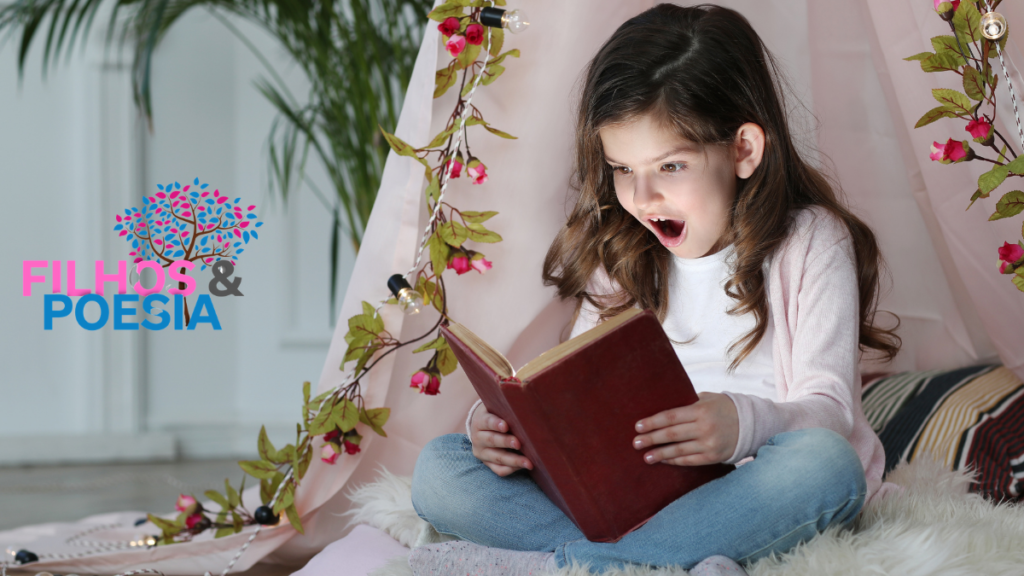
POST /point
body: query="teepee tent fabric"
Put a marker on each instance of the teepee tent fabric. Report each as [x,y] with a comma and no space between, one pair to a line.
[852,108]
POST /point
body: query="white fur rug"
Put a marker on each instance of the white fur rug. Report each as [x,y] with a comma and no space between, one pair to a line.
[934,528]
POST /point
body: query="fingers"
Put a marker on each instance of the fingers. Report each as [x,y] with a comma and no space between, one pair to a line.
[488,439]
[503,457]
[668,418]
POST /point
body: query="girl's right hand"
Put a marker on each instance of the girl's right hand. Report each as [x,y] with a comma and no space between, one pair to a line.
[491,439]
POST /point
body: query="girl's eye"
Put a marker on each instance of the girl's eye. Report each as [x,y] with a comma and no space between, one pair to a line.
[620,170]
[673,167]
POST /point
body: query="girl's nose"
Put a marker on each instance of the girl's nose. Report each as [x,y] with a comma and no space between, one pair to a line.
[645,195]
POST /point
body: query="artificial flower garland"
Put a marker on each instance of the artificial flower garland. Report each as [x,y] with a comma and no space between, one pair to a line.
[333,416]
[968,53]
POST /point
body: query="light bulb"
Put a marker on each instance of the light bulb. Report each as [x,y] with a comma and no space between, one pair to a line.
[993,25]
[411,301]
[516,21]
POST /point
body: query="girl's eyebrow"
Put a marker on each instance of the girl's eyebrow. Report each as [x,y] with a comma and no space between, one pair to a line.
[683,148]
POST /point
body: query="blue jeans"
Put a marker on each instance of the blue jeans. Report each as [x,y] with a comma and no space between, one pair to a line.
[798,484]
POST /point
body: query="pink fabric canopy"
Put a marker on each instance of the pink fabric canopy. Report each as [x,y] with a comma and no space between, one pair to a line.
[856,104]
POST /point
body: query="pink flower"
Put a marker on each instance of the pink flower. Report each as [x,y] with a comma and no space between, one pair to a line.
[475,34]
[477,171]
[979,128]
[427,380]
[351,448]
[332,435]
[194,519]
[956,4]
[481,264]
[951,151]
[327,454]
[1009,254]
[450,26]
[455,166]
[455,45]
[185,502]
[460,263]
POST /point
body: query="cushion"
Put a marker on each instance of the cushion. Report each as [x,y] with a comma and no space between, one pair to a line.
[969,418]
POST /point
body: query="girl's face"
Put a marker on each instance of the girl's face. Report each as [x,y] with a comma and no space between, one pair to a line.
[681,193]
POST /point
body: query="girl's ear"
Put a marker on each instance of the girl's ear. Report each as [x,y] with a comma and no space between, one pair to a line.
[749,146]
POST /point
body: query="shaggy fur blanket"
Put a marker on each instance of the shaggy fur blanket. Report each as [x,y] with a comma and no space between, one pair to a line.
[934,528]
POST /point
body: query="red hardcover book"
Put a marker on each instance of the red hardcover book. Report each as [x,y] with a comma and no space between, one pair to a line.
[574,409]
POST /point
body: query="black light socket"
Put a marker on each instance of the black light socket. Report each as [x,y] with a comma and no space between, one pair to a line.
[396,282]
[491,16]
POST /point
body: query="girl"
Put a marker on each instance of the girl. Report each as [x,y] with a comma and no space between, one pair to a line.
[693,202]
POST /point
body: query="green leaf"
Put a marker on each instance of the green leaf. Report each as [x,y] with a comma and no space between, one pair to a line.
[345,415]
[218,498]
[307,456]
[435,344]
[467,56]
[491,73]
[287,497]
[233,498]
[293,518]
[440,138]
[222,532]
[975,196]
[398,145]
[1011,204]
[991,180]
[945,62]
[935,114]
[237,521]
[443,80]
[446,10]
[258,468]
[478,233]
[269,487]
[446,361]
[375,419]
[953,100]
[367,356]
[265,447]
[477,217]
[497,40]
[966,21]
[1017,166]
[500,133]
[453,233]
[438,253]
[321,424]
[469,85]
[168,527]
[920,56]
[431,293]
[945,44]
[305,392]
[974,84]
[1018,281]
[513,53]
[433,191]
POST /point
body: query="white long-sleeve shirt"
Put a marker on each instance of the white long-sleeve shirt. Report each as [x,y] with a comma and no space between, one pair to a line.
[813,302]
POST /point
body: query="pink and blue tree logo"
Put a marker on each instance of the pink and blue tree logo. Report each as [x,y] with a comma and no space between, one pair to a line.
[190,224]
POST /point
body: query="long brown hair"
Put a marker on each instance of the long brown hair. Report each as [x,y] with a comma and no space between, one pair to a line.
[705,72]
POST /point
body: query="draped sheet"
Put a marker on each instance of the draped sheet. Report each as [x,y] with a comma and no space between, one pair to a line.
[854,103]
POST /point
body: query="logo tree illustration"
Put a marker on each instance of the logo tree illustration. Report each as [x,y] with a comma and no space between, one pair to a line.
[188,223]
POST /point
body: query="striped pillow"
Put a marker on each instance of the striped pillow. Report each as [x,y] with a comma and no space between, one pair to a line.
[969,418]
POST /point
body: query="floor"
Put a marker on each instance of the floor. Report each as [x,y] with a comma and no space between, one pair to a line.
[32,495]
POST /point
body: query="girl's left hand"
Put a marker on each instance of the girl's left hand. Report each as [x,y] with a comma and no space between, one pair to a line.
[704,432]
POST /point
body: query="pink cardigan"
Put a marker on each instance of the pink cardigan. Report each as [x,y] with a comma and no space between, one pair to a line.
[814,302]
[813,299]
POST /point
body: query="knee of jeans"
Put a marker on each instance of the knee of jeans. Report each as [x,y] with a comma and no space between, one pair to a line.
[824,456]
[437,465]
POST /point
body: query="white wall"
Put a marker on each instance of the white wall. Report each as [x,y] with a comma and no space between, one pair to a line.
[73,153]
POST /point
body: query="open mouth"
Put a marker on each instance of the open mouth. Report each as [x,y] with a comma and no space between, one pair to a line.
[670,232]
[669,228]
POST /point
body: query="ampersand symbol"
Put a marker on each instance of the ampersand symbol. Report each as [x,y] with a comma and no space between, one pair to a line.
[222,271]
